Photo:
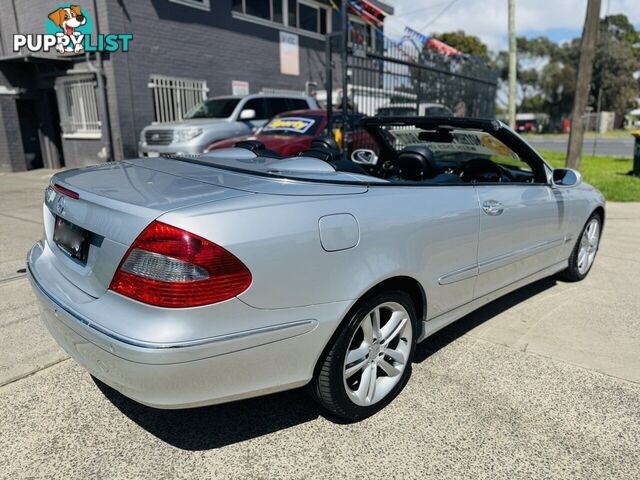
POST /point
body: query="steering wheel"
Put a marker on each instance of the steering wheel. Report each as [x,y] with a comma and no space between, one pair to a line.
[484,170]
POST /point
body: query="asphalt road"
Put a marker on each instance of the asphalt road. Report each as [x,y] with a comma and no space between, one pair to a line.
[617,147]
[544,383]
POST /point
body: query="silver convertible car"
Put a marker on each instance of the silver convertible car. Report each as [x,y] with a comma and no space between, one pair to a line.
[191,281]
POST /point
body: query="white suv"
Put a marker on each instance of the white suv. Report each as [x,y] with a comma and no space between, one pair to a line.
[216,119]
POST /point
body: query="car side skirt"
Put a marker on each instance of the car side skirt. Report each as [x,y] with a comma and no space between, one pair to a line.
[429,327]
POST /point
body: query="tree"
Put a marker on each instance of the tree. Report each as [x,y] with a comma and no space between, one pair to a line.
[620,28]
[583,82]
[469,44]
[547,71]
[615,64]
[557,86]
[533,54]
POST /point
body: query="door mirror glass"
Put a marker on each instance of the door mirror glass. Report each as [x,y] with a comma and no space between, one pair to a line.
[566,177]
[364,156]
[247,114]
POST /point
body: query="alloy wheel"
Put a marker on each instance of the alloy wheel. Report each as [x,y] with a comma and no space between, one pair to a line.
[377,353]
[588,246]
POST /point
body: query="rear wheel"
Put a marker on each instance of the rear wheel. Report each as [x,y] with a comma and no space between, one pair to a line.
[584,253]
[369,362]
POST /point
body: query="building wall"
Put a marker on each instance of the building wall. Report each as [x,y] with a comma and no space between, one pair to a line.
[80,152]
[34,78]
[177,40]
[169,39]
[11,153]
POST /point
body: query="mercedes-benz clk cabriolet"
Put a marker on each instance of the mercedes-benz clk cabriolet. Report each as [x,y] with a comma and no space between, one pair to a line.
[190,281]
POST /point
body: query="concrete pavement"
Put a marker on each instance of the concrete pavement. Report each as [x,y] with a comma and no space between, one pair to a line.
[544,383]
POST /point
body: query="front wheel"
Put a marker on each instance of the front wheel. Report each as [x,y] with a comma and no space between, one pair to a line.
[369,362]
[584,253]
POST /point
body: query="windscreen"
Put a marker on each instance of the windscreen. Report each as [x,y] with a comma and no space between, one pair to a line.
[214,108]
[455,145]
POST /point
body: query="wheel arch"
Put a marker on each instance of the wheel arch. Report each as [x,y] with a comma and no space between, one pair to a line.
[600,211]
[404,283]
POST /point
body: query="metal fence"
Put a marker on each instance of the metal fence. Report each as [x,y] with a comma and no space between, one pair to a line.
[404,75]
[401,78]
[173,97]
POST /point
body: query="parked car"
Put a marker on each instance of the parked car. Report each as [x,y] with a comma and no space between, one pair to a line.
[191,281]
[215,119]
[409,110]
[290,133]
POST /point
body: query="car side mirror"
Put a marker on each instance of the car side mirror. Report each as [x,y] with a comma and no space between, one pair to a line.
[566,177]
[364,156]
[247,114]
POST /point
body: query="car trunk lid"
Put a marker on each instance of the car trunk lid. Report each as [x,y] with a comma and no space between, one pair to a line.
[116,202]
[214,170]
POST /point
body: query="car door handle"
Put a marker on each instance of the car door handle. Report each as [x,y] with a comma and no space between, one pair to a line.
[492,207]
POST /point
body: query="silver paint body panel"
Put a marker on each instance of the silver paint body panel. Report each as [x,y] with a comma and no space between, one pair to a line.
[313,250]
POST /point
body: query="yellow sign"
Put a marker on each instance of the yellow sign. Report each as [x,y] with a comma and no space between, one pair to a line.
[290,124]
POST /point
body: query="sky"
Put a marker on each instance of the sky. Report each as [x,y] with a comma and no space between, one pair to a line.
[560,20]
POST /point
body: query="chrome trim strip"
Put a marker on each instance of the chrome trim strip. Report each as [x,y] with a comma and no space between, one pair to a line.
[499,261]
[163,346]
[459,275]
[432,325]
[503,260]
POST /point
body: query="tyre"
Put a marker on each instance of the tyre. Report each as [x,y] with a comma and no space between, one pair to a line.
[584,253]
[369,361]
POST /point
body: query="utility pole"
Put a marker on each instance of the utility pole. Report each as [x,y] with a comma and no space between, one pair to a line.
[583,84]
[512,63]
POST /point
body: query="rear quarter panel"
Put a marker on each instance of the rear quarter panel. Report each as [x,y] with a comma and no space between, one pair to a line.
[420,232]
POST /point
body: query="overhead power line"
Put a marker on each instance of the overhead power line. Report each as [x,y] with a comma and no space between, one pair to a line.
[422,9]
[442,12]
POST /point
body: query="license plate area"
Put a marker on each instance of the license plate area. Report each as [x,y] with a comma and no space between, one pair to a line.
[72,239]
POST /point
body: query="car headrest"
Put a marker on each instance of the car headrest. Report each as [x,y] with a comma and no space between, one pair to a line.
[325,142]
[323,153]
[251,145]
[416,162]
[258,148]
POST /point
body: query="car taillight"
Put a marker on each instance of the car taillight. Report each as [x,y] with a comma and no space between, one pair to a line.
[170,267]
[65,191]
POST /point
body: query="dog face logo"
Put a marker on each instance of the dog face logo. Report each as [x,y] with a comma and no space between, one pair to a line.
[68,19]
[69,30]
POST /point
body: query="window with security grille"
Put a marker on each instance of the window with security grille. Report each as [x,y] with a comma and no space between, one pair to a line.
[174,97]
[79,116]
[201,4]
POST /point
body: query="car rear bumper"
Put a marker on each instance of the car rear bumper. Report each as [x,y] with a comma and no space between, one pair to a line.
[188,374]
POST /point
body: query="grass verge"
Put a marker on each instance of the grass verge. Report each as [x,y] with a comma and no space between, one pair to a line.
[607,174]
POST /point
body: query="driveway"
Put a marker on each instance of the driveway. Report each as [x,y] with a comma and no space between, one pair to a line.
[544,383]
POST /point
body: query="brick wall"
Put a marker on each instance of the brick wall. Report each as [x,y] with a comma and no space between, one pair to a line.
[169,39]
[11,153]
[177,40]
